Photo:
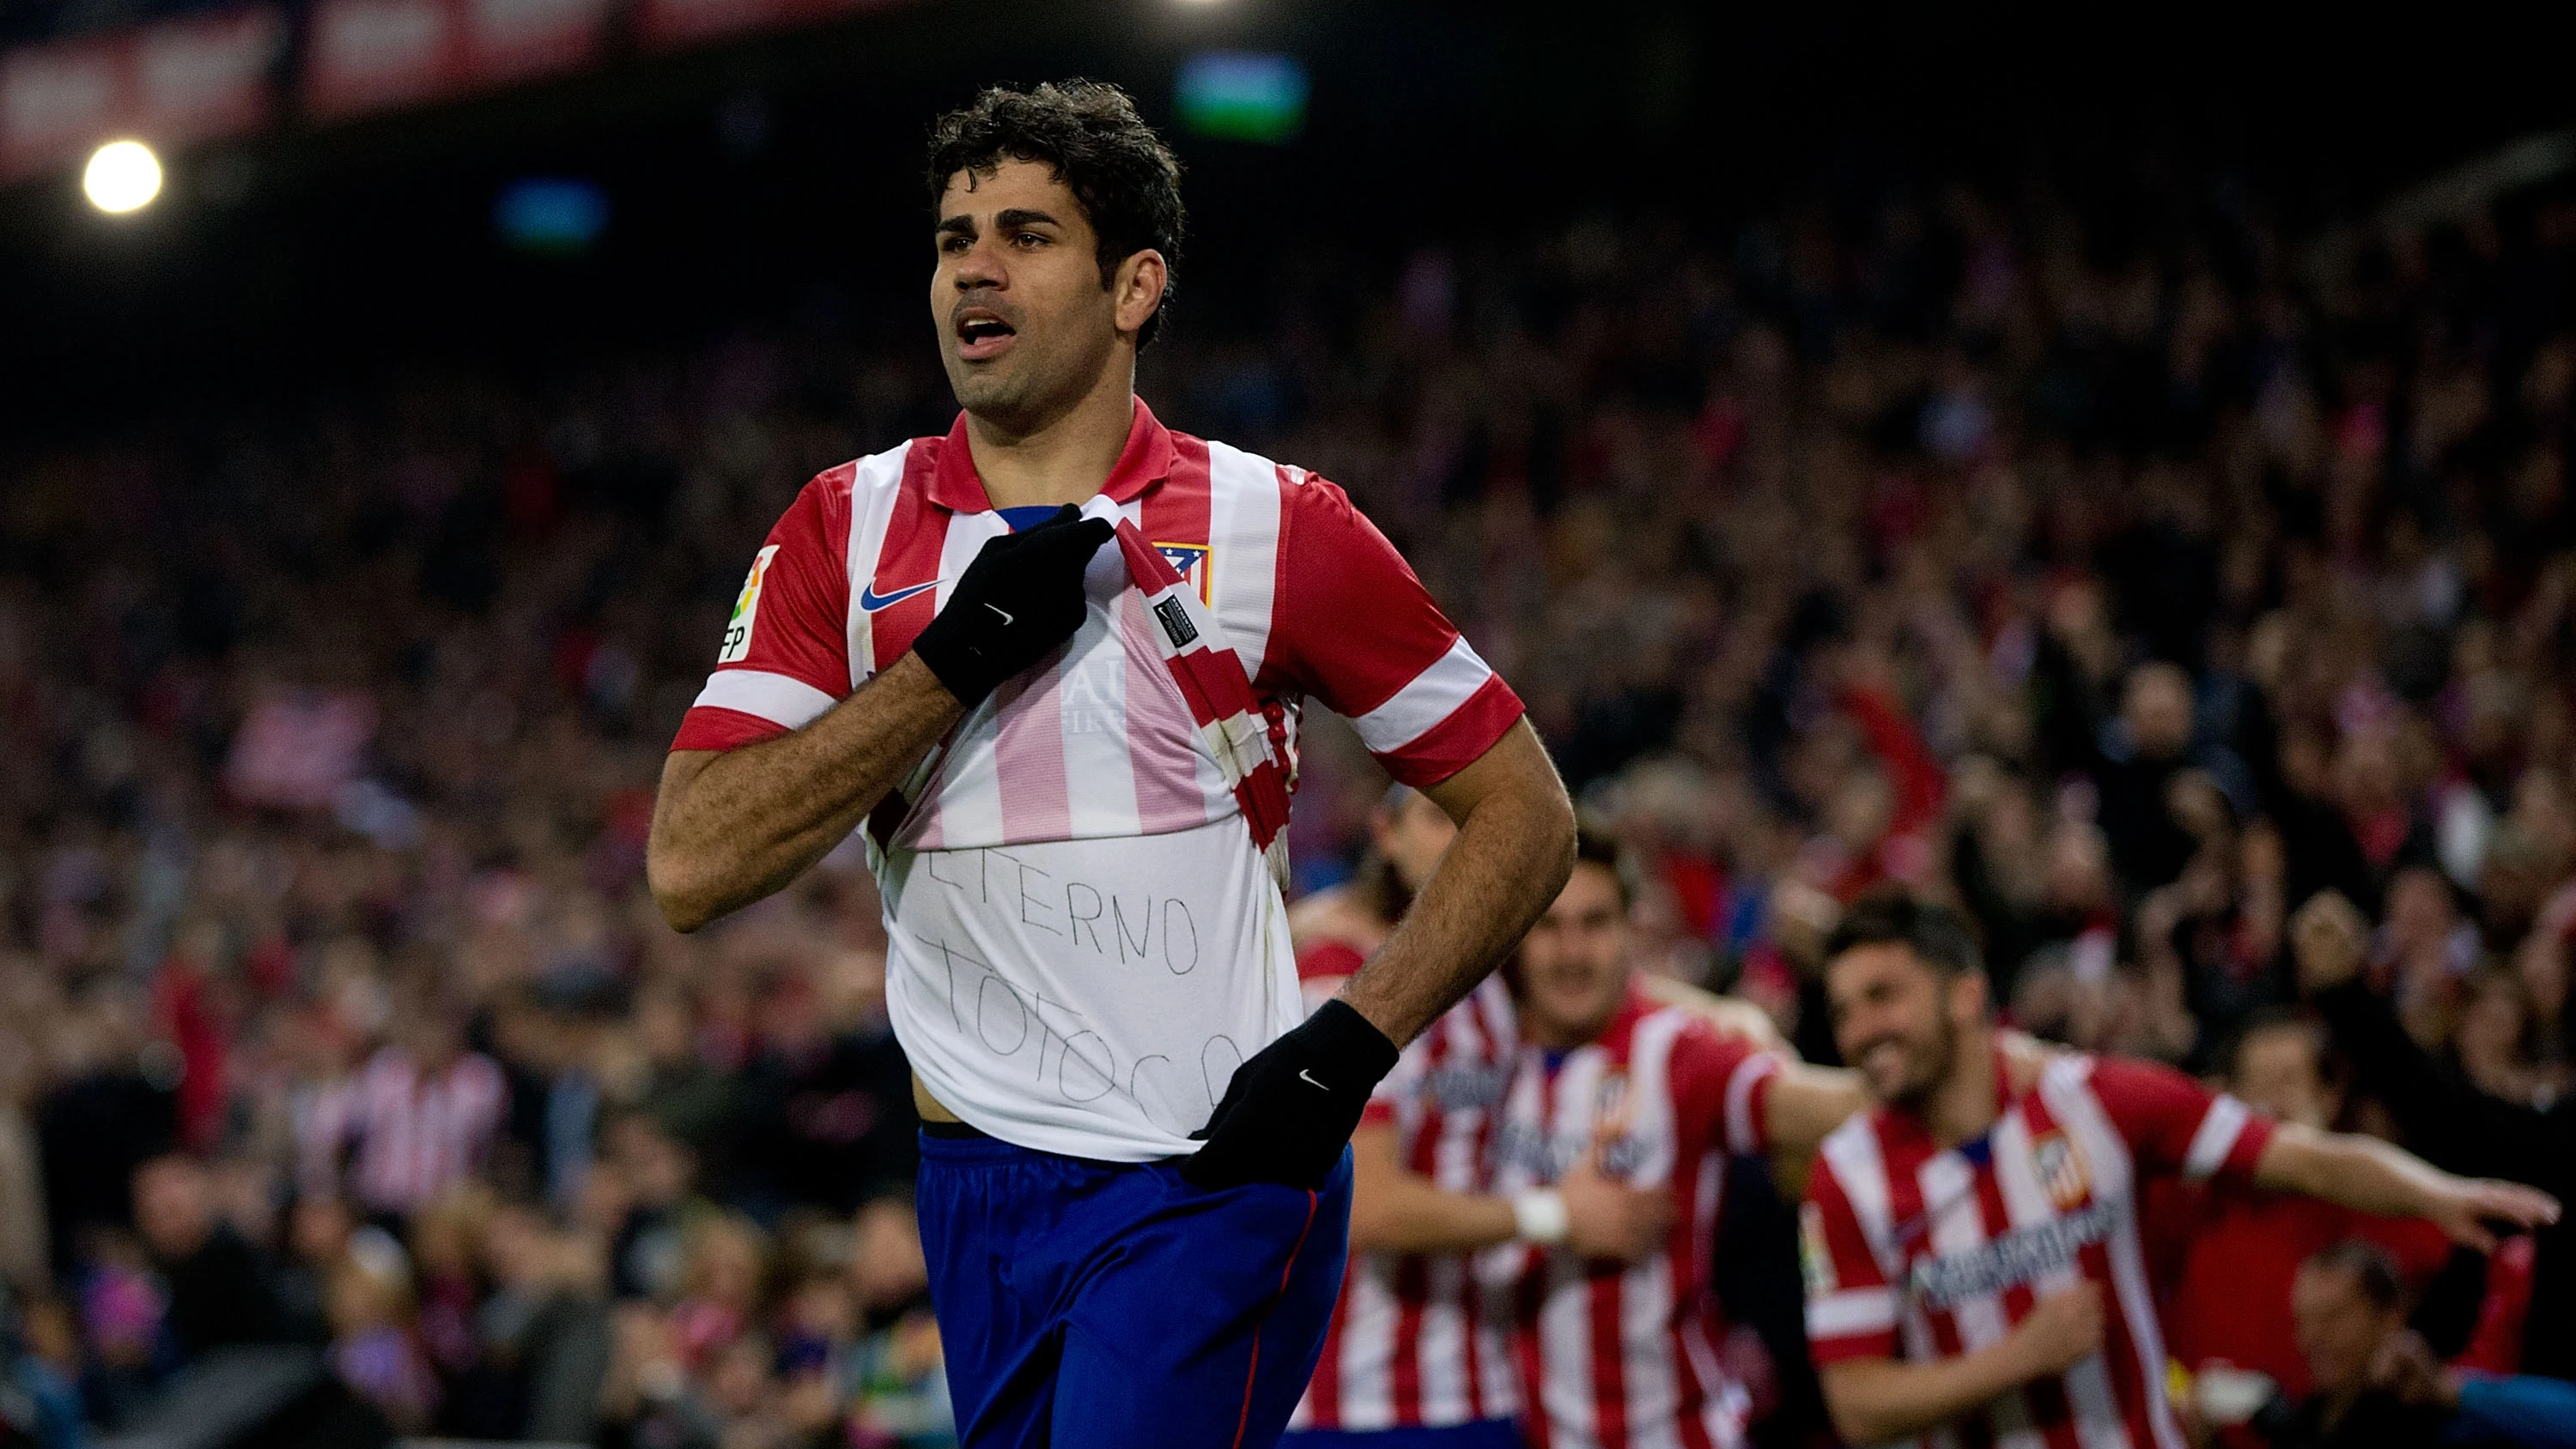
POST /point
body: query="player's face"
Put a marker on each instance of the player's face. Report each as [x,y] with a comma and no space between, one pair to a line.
[1025,326]
[1896,1020]
[1413,836]
[1574,962]
[2337,1326]
[2277,1071]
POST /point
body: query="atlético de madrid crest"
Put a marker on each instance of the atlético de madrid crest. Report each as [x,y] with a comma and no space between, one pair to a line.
[2063,1173]
[1190,561]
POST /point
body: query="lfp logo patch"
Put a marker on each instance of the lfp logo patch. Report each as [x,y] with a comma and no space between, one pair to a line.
[1815,1254]
[1190,561]
[746,610]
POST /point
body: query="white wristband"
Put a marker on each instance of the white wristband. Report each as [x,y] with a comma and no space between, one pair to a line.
[1540,1217]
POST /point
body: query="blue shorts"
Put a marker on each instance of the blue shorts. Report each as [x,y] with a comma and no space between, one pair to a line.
[1114,1305]
[1481,1434]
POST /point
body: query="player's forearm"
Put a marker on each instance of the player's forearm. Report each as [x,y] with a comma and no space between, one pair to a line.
[2362,1173]
[1514,849]
[1878,1400]
[1425,1219]
[1805,1104]
[1397,1210]
[1731,1015]
[729,829]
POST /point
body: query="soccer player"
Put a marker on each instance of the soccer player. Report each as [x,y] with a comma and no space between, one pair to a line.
[1416,1356]
[1337,927]
[1971,1243]
[1618,1349]
[1053,662]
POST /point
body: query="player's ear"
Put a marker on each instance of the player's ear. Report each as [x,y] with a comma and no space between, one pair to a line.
[1136,288]
[1967,997]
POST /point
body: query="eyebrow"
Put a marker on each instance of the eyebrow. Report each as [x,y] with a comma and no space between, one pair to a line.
[963,224]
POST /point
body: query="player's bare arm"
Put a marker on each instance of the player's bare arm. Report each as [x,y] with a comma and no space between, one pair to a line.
[1514,850]
[2372,1176]
[1879,1400]
[1805,1104]
[1397,1210]
[731,826]
[1289,1111]
[1733,1016]
[727,832]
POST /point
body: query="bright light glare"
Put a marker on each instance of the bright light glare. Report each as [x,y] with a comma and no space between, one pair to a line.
[123,176]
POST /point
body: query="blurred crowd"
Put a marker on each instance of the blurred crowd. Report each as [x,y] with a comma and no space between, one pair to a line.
[2186,593]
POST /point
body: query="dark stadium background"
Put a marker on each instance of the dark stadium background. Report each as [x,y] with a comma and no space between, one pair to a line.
[334,252]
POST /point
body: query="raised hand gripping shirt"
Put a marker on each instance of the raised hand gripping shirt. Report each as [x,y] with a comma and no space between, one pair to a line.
[1085,928]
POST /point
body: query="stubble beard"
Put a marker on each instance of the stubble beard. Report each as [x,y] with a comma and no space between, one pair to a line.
[1932,1067]
[1026,392]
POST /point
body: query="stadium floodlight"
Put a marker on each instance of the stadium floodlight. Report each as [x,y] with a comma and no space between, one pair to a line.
[1241,96]
[122,176]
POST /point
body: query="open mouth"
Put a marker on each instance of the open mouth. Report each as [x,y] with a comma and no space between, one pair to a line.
[981,335]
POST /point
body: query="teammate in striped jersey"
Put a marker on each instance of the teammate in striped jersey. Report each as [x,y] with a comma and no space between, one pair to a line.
[1974,1274]
[1053,662]
[1416,1355]
[1611,1082]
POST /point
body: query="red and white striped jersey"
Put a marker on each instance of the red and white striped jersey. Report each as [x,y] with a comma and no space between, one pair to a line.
[1414,1343]
[1083,939]
[1611,1355]
[1921,1252]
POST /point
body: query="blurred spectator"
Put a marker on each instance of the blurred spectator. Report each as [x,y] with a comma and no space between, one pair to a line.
[2448,1119]
[218,1290]
[826,1104]
[547,1325]
[317,1239]
[1335,929]
[663,1207]
[2237,1251]
[2375,1383]
[105,1119]
[373,1344]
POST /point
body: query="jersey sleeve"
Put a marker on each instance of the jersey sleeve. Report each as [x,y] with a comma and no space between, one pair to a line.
[786,652]
[1851,1307]
[1725,1082]
[1356,630]
[2174,1124]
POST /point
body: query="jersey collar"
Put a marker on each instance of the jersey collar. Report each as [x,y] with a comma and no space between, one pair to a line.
[1144,462]
[1635,1007]
[1905,1124]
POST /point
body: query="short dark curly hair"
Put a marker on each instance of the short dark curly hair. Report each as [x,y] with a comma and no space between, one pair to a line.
[1938,936]
[1127,180]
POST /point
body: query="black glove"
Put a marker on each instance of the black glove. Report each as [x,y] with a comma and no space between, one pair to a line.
[1019,599]
[1291,1110]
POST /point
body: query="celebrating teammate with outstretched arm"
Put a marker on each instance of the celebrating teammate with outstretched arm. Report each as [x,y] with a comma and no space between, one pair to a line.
[1971,1242]
[1051,664]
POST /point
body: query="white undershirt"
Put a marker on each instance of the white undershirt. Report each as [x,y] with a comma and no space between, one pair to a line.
[1088,997]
